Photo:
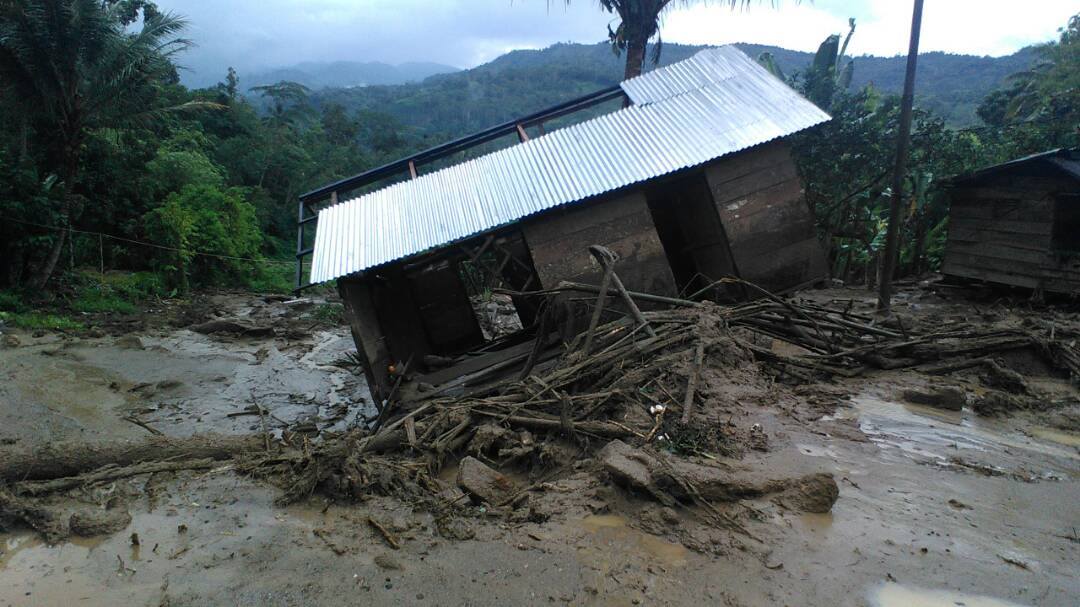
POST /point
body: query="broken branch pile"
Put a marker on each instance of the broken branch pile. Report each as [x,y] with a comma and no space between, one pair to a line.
[647,377]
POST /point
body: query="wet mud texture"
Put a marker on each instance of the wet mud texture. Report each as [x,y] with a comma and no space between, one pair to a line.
[933,506]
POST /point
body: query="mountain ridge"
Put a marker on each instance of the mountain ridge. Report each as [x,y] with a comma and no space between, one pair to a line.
[524,81]
[317,75]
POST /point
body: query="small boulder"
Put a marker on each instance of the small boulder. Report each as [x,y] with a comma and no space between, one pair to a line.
[814,493]
[130,342]
[92,523]
[386,561]
[483,483]
[11,341]
[941,397]
[629,467]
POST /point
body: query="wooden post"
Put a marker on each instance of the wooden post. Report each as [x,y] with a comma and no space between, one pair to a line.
[605,260]
[412,169]
[522,135]
[892,239]
[608,264]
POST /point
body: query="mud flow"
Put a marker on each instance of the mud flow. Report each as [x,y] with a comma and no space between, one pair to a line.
[221,452]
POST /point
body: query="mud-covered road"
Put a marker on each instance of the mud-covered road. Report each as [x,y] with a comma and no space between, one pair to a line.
[936,507]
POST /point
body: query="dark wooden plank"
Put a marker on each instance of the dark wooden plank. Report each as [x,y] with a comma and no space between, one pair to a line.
[999,251]
[962,270]
[559,244]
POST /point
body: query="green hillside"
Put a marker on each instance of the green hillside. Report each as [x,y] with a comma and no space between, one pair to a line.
[522,82]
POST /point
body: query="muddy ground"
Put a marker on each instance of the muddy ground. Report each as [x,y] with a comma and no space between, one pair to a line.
[935,507]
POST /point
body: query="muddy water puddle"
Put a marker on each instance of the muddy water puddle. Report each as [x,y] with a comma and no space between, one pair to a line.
[896,595]
[937,436]
[607,530]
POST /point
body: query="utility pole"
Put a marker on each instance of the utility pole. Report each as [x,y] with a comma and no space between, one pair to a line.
[892,240]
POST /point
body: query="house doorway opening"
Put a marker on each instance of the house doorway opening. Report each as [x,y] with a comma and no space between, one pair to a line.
[693,238]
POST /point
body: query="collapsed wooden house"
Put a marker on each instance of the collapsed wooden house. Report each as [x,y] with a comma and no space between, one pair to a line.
[1018,224]
[687,180]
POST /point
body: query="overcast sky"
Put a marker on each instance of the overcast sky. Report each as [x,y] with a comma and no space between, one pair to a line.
[257,34]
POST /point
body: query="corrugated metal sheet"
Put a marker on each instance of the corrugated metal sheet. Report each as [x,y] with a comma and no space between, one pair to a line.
[1067,160]
[713,104]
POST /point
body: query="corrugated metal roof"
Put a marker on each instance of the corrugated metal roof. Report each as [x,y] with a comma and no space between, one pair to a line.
[1068,160]
[715,103]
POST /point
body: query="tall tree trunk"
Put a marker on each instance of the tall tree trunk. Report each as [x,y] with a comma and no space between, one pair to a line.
[635,55]
[71,173]
[49,266]
[892,240]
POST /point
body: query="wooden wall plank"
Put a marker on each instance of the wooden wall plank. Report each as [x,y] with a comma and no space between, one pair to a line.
[559,243]
[769,227]
[367,334]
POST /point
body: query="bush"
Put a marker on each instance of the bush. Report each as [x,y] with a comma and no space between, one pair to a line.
[273,278]
[11,301]
[220,224]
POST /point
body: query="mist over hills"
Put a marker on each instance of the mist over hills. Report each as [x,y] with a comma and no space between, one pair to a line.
[347,74]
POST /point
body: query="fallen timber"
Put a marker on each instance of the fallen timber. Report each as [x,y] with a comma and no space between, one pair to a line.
[605,390]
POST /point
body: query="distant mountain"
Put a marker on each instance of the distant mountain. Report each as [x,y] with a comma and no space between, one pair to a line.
[950,85]
[347,74]
[522,82]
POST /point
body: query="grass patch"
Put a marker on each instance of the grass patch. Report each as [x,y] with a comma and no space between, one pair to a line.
[115,292]
[329,313]
[40,320]
[101,300]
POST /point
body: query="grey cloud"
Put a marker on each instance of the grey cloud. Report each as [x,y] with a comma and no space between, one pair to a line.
[252,35]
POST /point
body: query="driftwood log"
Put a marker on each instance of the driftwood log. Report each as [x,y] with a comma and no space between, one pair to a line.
[69,459]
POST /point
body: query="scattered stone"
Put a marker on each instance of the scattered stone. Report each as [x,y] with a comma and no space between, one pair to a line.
[11,341]
[92,523]
[484,483]
[815,493]
[130,342]
[994,403]
[997,375]
[942,397]
[388,562]
[959,505]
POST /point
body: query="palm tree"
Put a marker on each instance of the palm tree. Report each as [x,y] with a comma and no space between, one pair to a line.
[72,67]
[639,22]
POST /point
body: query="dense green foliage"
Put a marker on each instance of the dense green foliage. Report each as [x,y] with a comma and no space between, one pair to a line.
[183,188]
[201,175]
[846,163]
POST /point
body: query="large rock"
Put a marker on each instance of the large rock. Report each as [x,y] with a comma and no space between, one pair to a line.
[483,483]
[628,466]
[814,493]
[688,481]
[92,523]
[942,397]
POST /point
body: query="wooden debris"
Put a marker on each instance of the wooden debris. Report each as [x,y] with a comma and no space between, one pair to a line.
[390,538]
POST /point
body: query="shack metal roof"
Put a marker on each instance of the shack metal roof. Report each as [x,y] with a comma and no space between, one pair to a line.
[1065,160]
[713,104]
